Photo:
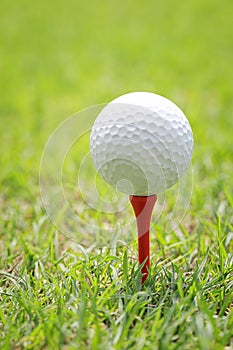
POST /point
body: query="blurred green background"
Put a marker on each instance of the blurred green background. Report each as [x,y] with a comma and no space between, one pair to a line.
[58,58]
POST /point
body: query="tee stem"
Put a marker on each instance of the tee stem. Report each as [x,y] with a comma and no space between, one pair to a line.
[143,206]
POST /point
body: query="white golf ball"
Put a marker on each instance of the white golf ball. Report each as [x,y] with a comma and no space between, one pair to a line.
[141,143]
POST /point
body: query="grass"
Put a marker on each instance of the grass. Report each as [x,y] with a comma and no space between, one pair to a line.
[56,59]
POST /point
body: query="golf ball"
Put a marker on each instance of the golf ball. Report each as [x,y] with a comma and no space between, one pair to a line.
[141,143]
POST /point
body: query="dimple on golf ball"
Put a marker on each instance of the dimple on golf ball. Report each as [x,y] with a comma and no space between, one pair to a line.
[141,143]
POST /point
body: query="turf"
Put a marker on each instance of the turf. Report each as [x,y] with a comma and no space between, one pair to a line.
[56,59]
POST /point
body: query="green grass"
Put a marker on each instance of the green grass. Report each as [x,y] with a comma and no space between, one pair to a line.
[56,59]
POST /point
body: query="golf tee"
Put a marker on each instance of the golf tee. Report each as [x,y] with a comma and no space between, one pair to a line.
[143,207]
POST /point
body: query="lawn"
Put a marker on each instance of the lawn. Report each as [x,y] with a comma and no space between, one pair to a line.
[58,58]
